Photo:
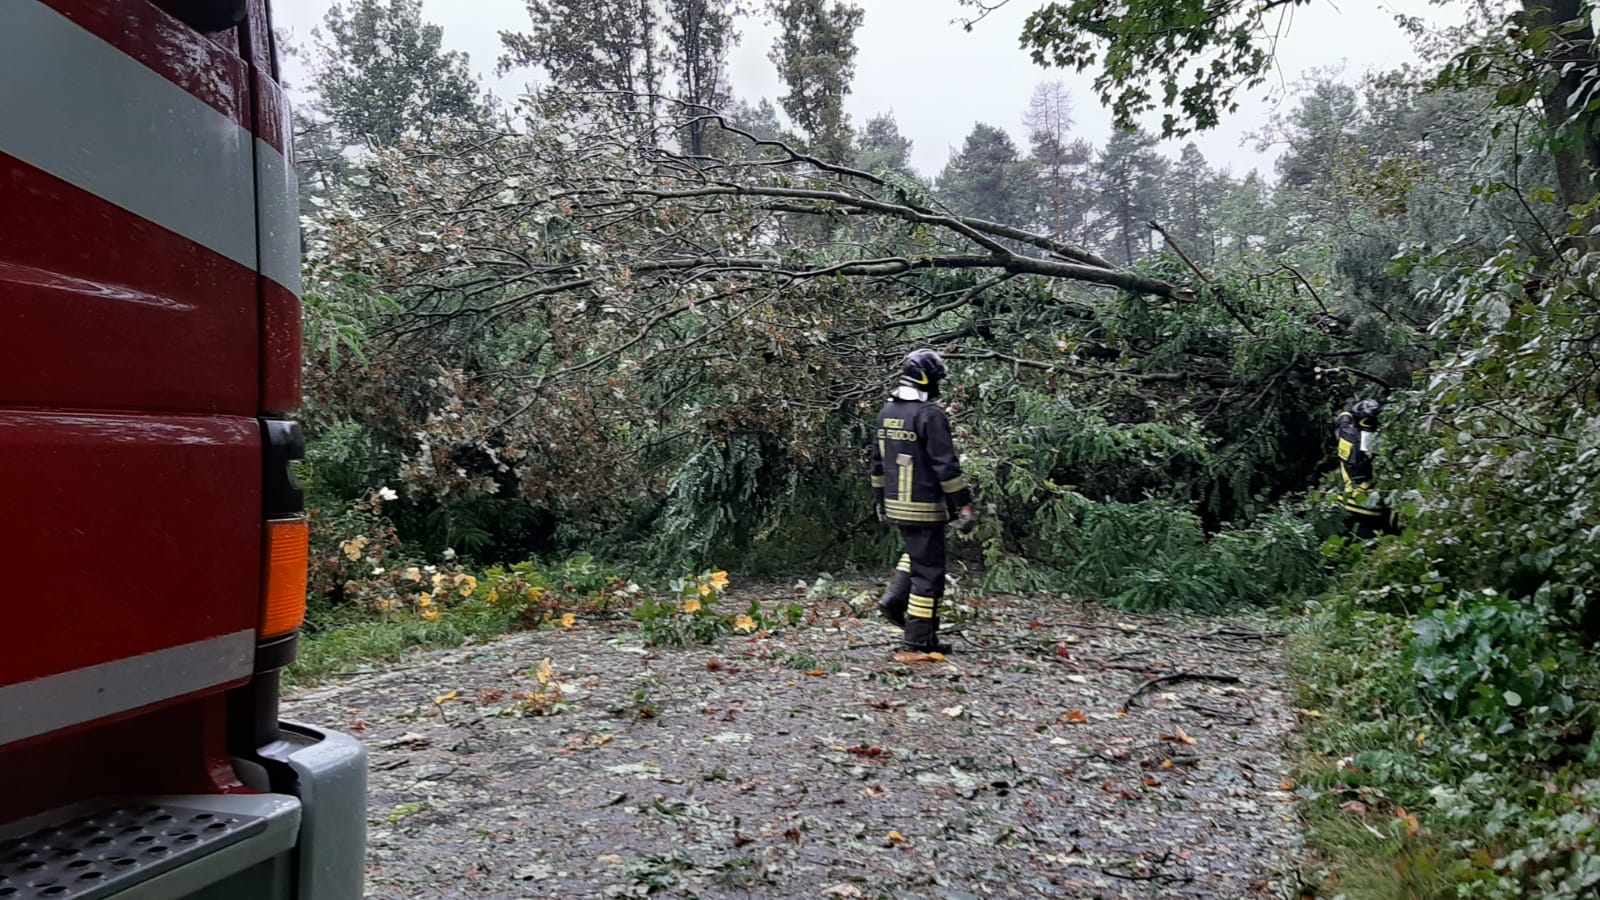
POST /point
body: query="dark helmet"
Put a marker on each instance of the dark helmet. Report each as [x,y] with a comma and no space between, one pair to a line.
[1367,411]
[923,370]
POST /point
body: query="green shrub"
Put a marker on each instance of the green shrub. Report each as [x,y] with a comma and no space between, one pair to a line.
[1505,665]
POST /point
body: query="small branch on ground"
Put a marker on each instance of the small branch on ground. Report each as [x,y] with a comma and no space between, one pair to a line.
[1177,676]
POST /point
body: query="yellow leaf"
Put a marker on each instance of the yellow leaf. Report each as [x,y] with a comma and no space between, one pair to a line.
[744,624]
[413,574]
[494,595]
[600,740]
[1422,736]
[936,656]
[705,589]
[466,584]
[545,672]
[1166,764]
[1310,713]
[1183,736]
[425,600]
[1287,785]
[691,605]
[442,699]
[568,620]
[430,614]
[611,859]
[816,673]
[896,836]
[353,547]
[719,581]
[1076,716]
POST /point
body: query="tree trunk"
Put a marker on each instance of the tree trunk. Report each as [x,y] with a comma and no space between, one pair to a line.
[1571,59]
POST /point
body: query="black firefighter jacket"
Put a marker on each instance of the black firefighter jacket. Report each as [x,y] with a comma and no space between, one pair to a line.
[916,475]
[1355,441]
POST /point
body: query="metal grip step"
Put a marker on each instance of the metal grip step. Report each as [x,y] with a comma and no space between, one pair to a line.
[100,853]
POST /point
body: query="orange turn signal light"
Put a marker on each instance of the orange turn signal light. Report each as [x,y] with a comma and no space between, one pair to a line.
[283,602]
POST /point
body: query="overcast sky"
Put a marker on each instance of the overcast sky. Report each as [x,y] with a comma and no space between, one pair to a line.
[938,79]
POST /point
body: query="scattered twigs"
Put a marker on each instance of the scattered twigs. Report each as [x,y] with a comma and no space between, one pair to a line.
[1177,676]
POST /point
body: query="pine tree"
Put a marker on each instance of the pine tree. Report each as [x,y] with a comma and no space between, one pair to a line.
[880,147]
[1063,202]
[815,53]
[988,179]
[1194,195]
[1129,177]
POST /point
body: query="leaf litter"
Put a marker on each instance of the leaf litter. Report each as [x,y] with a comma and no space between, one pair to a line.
[576,761]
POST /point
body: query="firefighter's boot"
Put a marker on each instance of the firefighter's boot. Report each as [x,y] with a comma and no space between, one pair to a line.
[922,632]
[893,602]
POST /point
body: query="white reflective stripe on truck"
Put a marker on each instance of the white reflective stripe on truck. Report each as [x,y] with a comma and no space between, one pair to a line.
[279,217]
[57,701]
[82,110]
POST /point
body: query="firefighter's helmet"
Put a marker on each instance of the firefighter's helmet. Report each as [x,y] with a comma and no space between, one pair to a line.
[923,369]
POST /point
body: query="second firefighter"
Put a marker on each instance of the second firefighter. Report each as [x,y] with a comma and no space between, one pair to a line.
[919,487]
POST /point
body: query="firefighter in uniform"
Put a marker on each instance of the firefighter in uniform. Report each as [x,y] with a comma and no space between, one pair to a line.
[917,481]
[1356,431]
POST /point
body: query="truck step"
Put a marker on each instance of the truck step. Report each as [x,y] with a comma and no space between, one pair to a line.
[99,853]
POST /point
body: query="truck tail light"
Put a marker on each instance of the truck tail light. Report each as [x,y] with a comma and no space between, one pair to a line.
[283,604]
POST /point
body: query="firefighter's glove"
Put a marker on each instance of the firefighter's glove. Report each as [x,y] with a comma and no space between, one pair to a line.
[968,520]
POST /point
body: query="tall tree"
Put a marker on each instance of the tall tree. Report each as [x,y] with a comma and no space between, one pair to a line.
[1244,215]
[1060,163]
[1129,174]
[380,73]
[1194,197]
[593,45]
[881,147]
[988,179]
[699,36]
[815,52]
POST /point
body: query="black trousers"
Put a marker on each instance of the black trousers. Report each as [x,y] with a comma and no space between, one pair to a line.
[918,584]
[1368,525]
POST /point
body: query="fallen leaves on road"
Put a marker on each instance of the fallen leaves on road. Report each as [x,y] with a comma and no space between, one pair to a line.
[1013,766]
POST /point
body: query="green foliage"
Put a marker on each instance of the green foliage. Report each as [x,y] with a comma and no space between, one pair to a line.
[1454,664]
[381,74]
[688,615]
[1502,664]
[815,51]
[359,642]
[1189,57]
[988,178]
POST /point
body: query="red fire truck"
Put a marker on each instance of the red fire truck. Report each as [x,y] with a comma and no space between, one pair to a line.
[153,542]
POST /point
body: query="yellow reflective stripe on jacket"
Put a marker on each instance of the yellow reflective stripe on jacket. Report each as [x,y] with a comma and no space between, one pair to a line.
[877,481]
[915,511]
[958,483]
[920,607]
[905,563]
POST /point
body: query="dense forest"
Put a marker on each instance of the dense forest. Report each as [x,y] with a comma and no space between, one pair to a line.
[634,316]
